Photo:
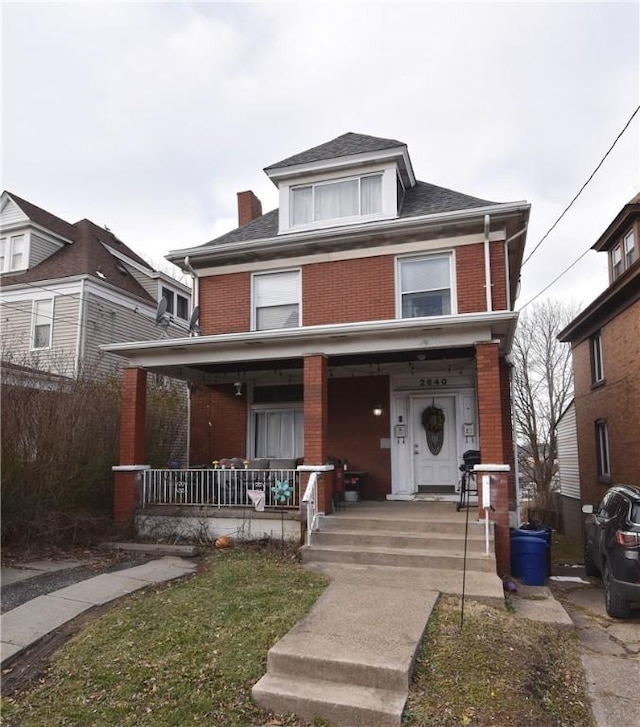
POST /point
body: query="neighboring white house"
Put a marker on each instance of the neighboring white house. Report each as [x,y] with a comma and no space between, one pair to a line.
[569,471]
[67,289]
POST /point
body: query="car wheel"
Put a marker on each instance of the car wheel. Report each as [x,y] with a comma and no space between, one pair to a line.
[617,607]
[589,566]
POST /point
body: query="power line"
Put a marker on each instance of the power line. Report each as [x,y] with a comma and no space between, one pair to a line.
[591,176]
[555,280]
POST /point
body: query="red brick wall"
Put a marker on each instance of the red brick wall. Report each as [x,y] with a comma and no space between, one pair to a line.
[226,435]
[316,423]
[349,290]
[346,291]
[354,433]
[472,296]
[225,303]
[617,401]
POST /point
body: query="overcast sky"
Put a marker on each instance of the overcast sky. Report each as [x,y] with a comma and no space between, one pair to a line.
[149,117]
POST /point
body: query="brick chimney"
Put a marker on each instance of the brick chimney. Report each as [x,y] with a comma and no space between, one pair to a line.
[249,207]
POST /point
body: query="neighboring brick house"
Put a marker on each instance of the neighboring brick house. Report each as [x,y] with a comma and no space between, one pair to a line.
[69,288]
[605,344]
[331,324]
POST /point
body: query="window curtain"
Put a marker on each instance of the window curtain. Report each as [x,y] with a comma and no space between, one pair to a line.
[301,205]
[279,434]
[371,195]
[338,199]
[425,287]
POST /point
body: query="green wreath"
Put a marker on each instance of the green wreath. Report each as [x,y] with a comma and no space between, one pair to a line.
[433,419]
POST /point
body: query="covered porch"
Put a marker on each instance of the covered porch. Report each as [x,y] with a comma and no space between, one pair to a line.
[317,396]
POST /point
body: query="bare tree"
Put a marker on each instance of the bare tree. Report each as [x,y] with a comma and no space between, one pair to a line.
[543,387]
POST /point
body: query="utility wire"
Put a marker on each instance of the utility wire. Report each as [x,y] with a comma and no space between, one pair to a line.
[591,176]
[555,280]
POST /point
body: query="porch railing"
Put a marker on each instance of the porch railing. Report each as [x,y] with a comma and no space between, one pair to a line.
[217,487]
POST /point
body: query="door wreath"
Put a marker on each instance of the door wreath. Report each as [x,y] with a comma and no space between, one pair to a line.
[433,424]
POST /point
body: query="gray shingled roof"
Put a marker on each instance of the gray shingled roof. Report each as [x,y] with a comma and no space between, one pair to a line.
[422,199]
[341,146]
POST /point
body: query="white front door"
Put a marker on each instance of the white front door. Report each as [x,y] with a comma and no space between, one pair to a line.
[436,470]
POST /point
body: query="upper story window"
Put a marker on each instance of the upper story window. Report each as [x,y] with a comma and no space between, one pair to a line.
[42,322]
[597,370]
[336,199]
[630,253]
[13,253]
[176,304]
[424,286]
[276,300]
[616,261]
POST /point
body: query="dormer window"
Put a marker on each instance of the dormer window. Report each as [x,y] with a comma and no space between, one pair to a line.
[13,253]
[616,262]
[336,200]
[630,253]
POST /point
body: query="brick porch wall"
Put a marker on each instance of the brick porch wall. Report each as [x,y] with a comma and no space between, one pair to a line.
[218,423]
[316,424]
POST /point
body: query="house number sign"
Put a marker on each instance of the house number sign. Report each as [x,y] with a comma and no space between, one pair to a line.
[433,382]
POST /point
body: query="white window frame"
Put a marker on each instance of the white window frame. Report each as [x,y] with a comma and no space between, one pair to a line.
[180,297]
[9,242]
[255,276]
[449,254]
[345,219]
[603,452]
[629,250]
[597,362]
[34,317]
[617,268]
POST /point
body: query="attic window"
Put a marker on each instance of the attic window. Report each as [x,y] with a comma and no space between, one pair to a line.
[13,253]
[337,199]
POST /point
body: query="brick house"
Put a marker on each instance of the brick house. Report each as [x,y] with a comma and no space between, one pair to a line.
[329,326]
[605,345]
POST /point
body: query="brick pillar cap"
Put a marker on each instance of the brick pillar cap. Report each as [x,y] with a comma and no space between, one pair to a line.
[492,468]
[130,467]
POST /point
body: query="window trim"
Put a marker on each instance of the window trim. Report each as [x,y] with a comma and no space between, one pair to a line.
[620,264]
[603,451]
[633,250]
[332,220]
[8,239]
[597,359]
[254,276]
[450,254]
[34,314]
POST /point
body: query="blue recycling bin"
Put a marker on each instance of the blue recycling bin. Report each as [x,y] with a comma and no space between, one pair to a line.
[537,530]
[529,557]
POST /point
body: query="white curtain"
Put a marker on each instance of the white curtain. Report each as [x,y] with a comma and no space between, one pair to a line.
[279,434]
[371,195]
[337,199]
[301,205]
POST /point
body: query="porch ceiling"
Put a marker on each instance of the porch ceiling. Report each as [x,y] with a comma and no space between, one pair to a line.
[199,358]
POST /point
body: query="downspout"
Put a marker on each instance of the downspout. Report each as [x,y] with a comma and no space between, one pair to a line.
[487,263]
[194,277]
[506,261]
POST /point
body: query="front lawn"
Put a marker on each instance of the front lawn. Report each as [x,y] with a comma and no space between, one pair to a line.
[184,655]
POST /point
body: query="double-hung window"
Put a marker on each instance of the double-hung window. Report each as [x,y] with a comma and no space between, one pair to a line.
[42,322]
[425,286]
[630,253]
[276,300]
[12,253]
[336,199]
[616,262]
[602,449]
[597,369]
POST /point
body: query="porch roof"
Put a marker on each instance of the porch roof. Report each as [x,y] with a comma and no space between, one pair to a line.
[185,358]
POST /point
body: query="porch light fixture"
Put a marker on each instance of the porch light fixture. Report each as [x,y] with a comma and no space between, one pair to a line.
[377,411]
[238,385]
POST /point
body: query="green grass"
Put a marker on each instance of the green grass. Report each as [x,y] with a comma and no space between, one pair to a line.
[185,655]
[498,670]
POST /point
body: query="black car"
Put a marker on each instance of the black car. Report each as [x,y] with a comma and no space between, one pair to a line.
[612,547]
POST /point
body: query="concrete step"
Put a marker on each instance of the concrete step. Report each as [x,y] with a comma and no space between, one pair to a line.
[443,524]
[404,557]
[392,539]
[344,704]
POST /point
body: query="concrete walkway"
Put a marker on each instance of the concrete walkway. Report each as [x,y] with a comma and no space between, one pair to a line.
[25,625]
